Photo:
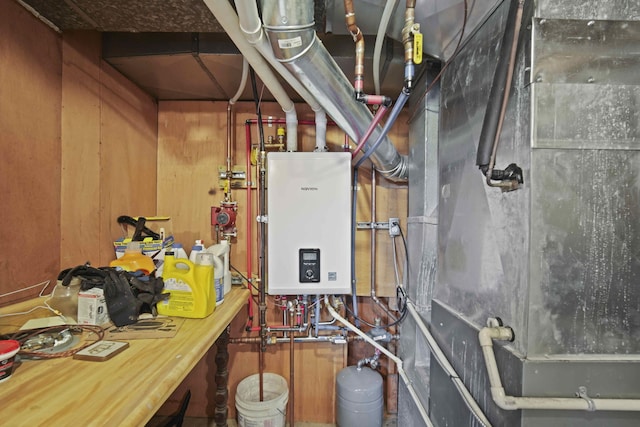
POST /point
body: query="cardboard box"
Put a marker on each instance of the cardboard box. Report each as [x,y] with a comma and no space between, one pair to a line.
[92,307]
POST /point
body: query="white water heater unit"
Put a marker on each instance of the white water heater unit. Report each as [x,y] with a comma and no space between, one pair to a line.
[309,223]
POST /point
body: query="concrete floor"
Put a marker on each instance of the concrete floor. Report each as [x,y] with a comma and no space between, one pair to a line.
[206,422]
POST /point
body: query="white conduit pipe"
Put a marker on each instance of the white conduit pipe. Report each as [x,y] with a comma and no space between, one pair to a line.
[396,360]
[447,367]
[377,50]
[321,130]
[243,82]
[227,17]
[313,66]
[583,402]
[291,121]
[251,26]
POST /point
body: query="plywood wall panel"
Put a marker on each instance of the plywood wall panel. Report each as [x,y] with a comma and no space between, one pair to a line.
[80,192]
[192,145]
[128,155]
[30,68]
[109,138]
[69,128]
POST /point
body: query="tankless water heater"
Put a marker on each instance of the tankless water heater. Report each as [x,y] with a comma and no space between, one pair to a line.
[309,223]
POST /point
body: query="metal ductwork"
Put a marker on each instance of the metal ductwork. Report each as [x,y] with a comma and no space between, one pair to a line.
[291,32]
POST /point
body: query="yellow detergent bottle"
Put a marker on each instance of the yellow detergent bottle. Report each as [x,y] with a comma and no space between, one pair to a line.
[190,286]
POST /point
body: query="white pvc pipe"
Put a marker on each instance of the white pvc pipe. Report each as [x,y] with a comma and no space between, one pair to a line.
[396,360]
[227,17]
[251,26]
[447,367]
[585,403]
[292,130]
[377,50]
[243,82]
[321,130]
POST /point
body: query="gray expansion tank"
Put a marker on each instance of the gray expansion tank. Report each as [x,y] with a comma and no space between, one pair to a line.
[359,399]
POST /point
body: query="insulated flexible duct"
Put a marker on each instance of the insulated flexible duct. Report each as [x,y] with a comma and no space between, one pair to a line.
[294,42]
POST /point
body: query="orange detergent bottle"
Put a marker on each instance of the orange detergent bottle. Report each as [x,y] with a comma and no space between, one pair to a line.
[191,289]
[134,260]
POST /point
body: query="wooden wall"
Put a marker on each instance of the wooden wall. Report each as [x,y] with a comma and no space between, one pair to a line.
[109,152]
[192,140]
[82,145]
[79,144]
[30,93]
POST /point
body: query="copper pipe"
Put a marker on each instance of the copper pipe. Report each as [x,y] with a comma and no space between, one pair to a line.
[407,38]
[350,18]
[291,367]
[227,192]
[247,130]
[245,340]
[283,121]
[358,81]
[272,340]
[374,123]
[511,185]
[261,370]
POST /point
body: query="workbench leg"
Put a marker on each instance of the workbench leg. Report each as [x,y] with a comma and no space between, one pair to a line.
[222,377]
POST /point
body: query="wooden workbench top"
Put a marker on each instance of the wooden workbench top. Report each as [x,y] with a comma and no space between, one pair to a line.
[126,390]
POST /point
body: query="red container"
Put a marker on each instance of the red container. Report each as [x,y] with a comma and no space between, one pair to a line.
[8,350]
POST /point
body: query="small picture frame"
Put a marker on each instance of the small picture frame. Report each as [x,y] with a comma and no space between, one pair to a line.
[101,351]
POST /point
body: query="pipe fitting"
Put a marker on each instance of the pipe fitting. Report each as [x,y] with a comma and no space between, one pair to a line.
[499,333]
[581,402]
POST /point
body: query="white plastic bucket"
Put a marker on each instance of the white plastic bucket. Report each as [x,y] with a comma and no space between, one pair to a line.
[271,412]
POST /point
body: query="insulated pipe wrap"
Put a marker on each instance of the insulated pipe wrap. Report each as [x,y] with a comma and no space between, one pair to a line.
[311,64]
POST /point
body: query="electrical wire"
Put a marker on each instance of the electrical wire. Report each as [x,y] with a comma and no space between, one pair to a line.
[402,309]
[243,81]
[44,283]
[21,337]
[401,295]
[251,285]
[244,278]
[395,260]
[45,305]
[404,243]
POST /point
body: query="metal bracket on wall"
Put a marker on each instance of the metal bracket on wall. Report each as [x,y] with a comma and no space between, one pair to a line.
[393,225]
[372,225]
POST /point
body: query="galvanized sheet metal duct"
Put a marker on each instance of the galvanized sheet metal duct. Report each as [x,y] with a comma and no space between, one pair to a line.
[292,36]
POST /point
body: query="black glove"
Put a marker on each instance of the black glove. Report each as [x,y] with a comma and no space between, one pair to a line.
[148,289]
[122,305]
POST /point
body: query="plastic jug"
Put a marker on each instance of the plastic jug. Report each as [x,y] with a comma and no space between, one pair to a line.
[197,248]
[134,260]
[190,286]
[207,258]
[178,251]
[221,252]
[218,279]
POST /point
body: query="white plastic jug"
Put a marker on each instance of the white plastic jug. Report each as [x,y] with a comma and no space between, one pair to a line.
[221,264]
